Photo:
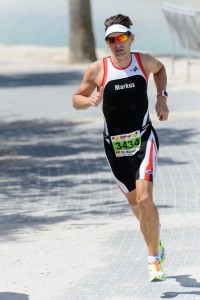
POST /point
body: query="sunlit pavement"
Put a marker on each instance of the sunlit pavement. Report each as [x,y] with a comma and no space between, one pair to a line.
[54,175]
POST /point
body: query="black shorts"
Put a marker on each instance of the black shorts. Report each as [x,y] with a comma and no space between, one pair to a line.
[142,165]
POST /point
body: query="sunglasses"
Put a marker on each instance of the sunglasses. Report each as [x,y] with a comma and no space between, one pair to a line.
[120,38]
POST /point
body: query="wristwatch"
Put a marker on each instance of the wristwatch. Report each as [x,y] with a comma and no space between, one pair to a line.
[162,93]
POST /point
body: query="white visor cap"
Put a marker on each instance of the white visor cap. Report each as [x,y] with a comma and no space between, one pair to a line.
[116,28]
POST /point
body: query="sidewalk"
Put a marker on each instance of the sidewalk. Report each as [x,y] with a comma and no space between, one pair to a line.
[67,232]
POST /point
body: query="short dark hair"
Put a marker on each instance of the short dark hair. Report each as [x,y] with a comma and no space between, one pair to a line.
[118,19]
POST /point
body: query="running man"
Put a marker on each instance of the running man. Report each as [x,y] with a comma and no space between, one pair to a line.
[130,141]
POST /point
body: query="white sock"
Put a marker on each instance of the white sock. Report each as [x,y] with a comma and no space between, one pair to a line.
[151,259]
[155,258]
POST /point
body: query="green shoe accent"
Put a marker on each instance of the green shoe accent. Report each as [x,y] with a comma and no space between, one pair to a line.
[161,252]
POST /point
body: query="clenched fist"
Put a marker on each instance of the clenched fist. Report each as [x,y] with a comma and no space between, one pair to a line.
[97,97]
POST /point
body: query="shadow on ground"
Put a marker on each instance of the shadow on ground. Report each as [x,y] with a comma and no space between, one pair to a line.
[13,296]
[56,171]
[185,281]
[40,79]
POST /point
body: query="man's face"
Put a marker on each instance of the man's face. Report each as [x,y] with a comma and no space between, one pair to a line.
[121,45]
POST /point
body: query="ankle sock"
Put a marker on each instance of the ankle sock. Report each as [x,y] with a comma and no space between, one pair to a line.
[151,259]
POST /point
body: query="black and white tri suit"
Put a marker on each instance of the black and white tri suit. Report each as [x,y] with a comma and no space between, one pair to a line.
[125,109]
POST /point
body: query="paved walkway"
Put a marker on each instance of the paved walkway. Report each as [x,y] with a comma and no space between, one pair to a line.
[66,230]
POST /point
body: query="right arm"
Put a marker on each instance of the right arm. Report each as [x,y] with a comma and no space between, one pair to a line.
[83,98]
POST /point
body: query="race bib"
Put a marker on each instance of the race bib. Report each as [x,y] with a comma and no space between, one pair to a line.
[126,144]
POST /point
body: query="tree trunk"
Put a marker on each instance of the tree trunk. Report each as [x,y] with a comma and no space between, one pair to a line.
[82,43]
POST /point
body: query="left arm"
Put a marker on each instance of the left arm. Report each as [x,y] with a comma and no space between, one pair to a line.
[154,66]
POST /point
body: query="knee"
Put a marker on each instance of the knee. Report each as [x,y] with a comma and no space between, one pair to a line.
[144,201]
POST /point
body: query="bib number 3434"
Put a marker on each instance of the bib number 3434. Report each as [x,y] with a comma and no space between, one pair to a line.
[126,144]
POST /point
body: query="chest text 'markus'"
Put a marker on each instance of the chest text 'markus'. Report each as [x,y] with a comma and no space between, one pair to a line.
[124,86]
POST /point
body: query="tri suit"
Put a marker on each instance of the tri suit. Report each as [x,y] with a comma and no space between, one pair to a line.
[130,141]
